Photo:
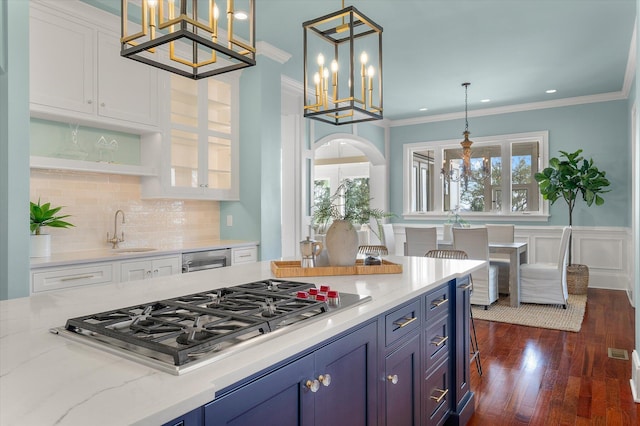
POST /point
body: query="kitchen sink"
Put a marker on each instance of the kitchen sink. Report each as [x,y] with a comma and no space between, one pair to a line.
[130,250]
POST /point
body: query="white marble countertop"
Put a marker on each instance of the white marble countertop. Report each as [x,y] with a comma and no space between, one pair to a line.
[46,379]
[108,254]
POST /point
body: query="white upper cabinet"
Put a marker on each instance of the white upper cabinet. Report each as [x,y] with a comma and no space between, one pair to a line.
[200,139]
[77,73]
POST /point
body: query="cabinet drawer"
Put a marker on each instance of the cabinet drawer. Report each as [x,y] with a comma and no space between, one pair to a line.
[71,277]
[401,322]
[437,303]
[437,396]
[244,255]
[437,341]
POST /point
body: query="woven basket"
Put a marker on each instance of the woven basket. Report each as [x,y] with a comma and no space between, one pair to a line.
[577,279]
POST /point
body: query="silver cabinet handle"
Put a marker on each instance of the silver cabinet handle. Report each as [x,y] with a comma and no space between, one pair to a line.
[406,322]
[443,393]
[440,302]
[77,277]
[441,340]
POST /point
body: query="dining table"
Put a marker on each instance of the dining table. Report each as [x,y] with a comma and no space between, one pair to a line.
[517,252]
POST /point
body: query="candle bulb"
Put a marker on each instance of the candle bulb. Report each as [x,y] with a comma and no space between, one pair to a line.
[334,80]
[363,61]
[370,73]
[325,78]
[320,71]
[316,80]
[152,17]
[216,14]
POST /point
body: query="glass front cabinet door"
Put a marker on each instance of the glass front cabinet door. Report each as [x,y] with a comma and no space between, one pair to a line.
[199,143]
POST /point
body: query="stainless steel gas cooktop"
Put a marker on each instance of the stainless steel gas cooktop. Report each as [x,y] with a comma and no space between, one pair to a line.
[183,333]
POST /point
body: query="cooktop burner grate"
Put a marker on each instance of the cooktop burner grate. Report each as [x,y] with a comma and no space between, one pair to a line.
[188,326]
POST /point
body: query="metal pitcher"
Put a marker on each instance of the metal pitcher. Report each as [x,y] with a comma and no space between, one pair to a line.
[309,249]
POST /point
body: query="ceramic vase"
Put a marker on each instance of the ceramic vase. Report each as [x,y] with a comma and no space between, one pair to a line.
[341,242]
[40,245]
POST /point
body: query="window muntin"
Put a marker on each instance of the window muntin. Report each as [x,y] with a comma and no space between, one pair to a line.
[493,190]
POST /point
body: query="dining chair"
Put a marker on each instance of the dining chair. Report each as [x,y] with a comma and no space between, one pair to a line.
[501,234]
[546,283]
[373,249]
[475,242]
[389,238]
[420,241]
[459,254]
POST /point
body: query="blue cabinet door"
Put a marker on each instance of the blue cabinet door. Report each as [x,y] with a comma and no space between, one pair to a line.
[350,397]
[279,398]
[463,401]
[402,383]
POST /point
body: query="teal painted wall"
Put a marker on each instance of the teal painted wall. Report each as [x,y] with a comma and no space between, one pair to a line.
[257,215]
[374,134]
[14,149]
[600,129]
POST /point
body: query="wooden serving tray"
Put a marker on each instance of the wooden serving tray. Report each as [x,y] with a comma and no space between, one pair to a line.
[292,268]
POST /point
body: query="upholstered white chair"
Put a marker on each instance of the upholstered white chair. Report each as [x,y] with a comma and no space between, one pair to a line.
[546,283]
[420,241]
[501,234]
[475,242]
[389,238]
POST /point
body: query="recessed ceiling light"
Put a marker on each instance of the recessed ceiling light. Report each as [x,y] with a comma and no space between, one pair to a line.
[485,100]
[423,109]
[551,91]
[241,15]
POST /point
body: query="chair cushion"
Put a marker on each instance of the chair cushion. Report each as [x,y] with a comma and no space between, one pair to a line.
[539,271]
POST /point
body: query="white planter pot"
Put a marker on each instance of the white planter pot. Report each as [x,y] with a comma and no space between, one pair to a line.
[41,245]
[342,243]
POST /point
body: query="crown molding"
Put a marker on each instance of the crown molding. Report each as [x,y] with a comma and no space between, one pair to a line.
[272,52]
[578,100]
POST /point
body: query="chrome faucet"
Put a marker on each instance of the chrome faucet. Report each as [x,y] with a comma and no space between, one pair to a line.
[115,240]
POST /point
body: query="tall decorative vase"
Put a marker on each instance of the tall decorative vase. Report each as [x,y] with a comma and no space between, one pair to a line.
[341,242]
[40,245]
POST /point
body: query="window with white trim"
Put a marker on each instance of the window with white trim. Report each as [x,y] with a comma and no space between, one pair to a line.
[433,187]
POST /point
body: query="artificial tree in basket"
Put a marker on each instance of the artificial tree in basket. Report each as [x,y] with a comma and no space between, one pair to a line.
[569,177]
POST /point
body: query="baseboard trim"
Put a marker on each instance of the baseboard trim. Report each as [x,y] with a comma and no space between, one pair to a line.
[635,376]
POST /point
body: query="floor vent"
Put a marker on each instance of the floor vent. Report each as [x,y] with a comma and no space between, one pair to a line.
[618,354]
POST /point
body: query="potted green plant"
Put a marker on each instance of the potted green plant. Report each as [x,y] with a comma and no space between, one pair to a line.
[44,215]
[337,215]
[569,177]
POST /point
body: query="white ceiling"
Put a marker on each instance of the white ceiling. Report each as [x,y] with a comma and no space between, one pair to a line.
[510,50]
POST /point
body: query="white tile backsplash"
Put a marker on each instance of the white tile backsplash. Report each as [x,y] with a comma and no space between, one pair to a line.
[92,200]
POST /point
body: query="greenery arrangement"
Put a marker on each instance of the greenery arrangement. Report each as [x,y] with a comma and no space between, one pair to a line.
[43,215]
[350,202]
[570,176]
[456,220]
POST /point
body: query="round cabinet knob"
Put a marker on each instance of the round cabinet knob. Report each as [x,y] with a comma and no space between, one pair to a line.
[89,101]
[102,104]
[313,385]
[325,379]
[393,378]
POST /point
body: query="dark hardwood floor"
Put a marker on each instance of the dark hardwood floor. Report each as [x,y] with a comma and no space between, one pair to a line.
[535,376]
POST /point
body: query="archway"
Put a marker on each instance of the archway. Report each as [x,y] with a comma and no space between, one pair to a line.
[343,155]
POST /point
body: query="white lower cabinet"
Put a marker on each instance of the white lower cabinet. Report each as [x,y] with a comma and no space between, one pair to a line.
[64,276]
[244,255]
[149,268]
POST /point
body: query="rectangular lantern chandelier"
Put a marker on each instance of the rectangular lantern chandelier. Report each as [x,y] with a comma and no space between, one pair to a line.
[176,36]
[343,68]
